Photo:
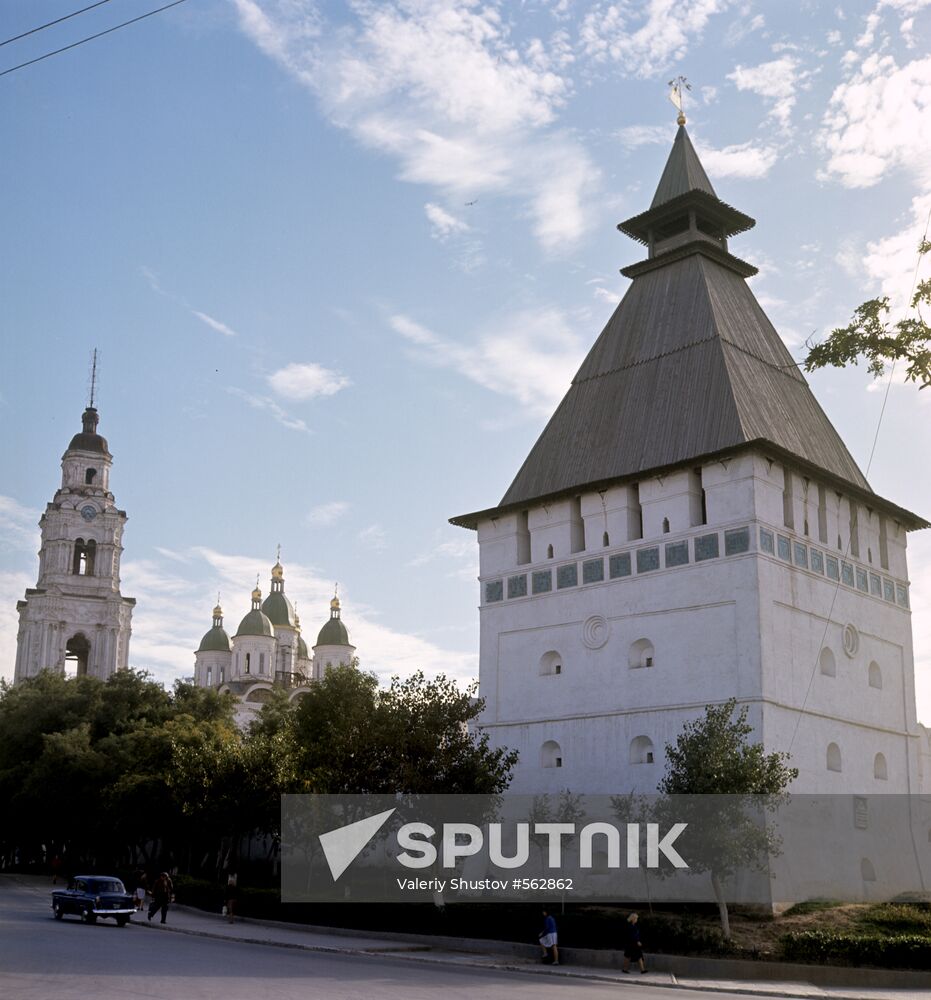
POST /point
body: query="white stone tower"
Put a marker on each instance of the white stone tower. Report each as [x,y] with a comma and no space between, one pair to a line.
[689,527]
[75,619]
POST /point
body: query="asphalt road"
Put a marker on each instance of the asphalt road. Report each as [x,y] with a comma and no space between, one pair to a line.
[45,959]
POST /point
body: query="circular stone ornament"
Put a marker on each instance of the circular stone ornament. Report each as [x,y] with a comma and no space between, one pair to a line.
[596,631]
[851,640]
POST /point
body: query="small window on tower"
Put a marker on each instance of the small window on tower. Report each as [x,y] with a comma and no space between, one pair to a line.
[209,676]
[549,552]
[90,475]
[248,663]
[665,525]
[605,541]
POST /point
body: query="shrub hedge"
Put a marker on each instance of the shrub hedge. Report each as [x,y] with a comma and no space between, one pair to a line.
[904,951]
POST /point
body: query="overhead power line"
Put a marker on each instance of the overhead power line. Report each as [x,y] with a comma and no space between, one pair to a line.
[49,24]
[90,38]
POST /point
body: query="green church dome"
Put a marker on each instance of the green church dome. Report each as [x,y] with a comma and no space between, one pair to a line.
[334,631]
[302,652]
[256,623]
[278,609]
[215,641]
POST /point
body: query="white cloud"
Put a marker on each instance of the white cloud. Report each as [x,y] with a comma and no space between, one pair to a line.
[306,381]
[18,525]
[326,513]
[444,223]
[878,121]
[154,282]
[214,324]
[606,295]
[878,124]
[374,537]
[456,557]
[892,260]
[530,355]
[776,82]
[440,87]
[746,160]
[270,406]
[741,28]
[646,38]
[645,135]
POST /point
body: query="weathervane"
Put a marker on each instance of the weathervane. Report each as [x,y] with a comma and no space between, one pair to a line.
[679,85]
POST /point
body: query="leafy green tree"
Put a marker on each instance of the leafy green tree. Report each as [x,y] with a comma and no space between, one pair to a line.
[85,764]
[870,337]
[411,737]
[713,755]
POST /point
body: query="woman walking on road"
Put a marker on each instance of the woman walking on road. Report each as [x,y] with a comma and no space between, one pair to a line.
[633,949]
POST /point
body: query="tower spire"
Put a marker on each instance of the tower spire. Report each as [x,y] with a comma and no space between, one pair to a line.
[93,381]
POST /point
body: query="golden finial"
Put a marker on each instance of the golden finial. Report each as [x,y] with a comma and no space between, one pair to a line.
[334,604]
[679,85]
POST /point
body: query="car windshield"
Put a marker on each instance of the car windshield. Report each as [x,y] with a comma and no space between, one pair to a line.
[105,885]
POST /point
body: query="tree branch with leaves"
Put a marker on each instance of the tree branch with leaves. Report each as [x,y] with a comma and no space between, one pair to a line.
[870,337]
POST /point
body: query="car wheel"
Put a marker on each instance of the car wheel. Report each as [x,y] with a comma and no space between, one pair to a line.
[57,911]
[121,921]
[89,917]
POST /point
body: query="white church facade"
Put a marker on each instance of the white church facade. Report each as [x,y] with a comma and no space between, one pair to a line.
[688,528]
[269,651]
[75,619]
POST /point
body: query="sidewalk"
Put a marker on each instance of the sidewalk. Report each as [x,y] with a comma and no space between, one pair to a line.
[491,955]
[186,920]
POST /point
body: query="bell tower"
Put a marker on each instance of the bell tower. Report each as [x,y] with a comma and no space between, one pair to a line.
[75,620]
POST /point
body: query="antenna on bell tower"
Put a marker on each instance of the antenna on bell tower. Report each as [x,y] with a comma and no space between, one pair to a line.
[93,380]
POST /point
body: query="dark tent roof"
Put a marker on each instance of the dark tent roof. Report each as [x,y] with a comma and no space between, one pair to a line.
[688,367]
[683,172]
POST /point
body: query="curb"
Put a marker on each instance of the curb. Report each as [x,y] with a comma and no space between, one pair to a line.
[565,973]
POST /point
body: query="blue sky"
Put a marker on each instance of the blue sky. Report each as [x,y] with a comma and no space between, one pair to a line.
[342,260]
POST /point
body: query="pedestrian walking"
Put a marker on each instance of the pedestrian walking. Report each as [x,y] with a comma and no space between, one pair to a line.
[139,888]
[161,896]
[56,869]
[633,948]
[232,895]
[548,938]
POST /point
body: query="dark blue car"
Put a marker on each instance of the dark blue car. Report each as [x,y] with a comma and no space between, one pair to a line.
[93,896]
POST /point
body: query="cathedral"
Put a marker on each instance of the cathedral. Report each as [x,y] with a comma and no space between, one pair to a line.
[75,620]
[268,651]
[689,527]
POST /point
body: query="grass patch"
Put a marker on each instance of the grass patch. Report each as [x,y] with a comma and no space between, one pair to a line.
[811,906]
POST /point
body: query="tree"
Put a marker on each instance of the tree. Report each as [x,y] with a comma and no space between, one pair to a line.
[713,755]
[85,764]
[412,737]
[870,337]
